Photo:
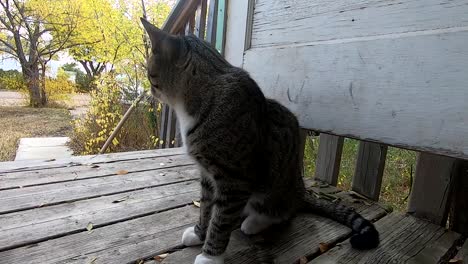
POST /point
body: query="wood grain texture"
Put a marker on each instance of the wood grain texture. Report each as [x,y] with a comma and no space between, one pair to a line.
[377,89]
[328,158]
[44,195]
[30,165]
[303,21]
[403,240]
[431,188]
[40,224]
[123,242]
[286,243]
[370,165]
[463,252]
[74,173]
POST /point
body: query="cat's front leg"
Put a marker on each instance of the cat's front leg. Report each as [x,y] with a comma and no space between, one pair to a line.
[229,203]
[195,235]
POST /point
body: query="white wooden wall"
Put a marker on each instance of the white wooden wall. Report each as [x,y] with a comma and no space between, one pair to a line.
[388,71]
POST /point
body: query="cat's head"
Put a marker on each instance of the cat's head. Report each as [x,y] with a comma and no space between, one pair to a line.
[177,63]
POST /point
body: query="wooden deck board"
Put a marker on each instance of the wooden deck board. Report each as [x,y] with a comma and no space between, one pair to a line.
[73,173]
[140,214]
[404,239]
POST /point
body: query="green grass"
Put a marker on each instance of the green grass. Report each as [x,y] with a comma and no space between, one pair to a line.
[396,183]
[18,122]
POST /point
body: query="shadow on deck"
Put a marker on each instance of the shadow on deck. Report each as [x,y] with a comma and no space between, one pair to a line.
[131,207]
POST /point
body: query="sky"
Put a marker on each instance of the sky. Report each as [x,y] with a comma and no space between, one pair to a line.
[54,65]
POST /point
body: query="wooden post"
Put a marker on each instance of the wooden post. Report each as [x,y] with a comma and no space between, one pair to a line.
[459,199]
[328,159]
[431,187]
[369,169]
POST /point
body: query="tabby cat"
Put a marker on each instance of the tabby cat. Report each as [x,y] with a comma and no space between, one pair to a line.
[246,146]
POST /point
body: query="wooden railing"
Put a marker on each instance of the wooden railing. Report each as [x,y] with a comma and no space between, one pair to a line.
[438,190]
[206,20]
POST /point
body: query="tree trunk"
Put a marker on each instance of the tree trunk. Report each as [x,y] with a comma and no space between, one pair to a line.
[32,76]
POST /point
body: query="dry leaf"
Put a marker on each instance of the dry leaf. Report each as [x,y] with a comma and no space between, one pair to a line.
[121,199]
[324,247]
[196,203]
[140,261]
[122,172]
[93,260]
[89,227]
[456,260]
[160,258]
[303,260]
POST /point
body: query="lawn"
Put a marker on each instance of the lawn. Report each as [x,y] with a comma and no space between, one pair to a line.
[397,178]
[18,122]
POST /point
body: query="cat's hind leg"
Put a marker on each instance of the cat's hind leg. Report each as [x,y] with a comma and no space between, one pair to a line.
[259,217]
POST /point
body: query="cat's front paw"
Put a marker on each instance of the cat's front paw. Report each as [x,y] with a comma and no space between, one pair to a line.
[189,238]
[207,259]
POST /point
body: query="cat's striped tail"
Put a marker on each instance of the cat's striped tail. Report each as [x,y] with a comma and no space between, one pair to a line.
[365,235]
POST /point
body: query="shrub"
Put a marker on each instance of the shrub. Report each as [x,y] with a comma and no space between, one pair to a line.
[106,109]
[12,80]
[59,89]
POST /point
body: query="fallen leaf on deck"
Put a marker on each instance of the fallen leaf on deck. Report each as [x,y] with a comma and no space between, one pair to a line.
[89,227]
[161,257]
[93,260]
[122,172]
[456,260]
[303,260]
[121,199]
[324,247]
[140,261]
[196,203]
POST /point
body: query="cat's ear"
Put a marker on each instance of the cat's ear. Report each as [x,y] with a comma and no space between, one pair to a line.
[155,34]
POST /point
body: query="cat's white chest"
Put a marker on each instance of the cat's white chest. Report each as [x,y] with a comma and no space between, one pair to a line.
[185,121]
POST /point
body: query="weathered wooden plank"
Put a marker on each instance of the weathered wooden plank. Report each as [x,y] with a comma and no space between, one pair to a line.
[28,165]
[200,20]
[433,251]
[403,239]
[304,21]
[375,89]
[463,252]
[40,224]
[431,188]
[285,243]
[329,158]
[47,176]
[237,28]
[459,199]
[212,22]
[370,166]
[122,242]
[44,195]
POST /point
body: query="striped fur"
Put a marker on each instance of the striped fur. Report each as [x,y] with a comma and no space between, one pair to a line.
[247,146]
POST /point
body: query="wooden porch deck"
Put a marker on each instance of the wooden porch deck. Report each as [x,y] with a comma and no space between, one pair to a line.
[131,207]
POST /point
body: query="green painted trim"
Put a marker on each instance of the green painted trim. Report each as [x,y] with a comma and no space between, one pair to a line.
[220,26]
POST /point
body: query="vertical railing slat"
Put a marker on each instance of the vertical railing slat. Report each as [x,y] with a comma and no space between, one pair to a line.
[327,166]
[431,187]
[212,22]
[370,166]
